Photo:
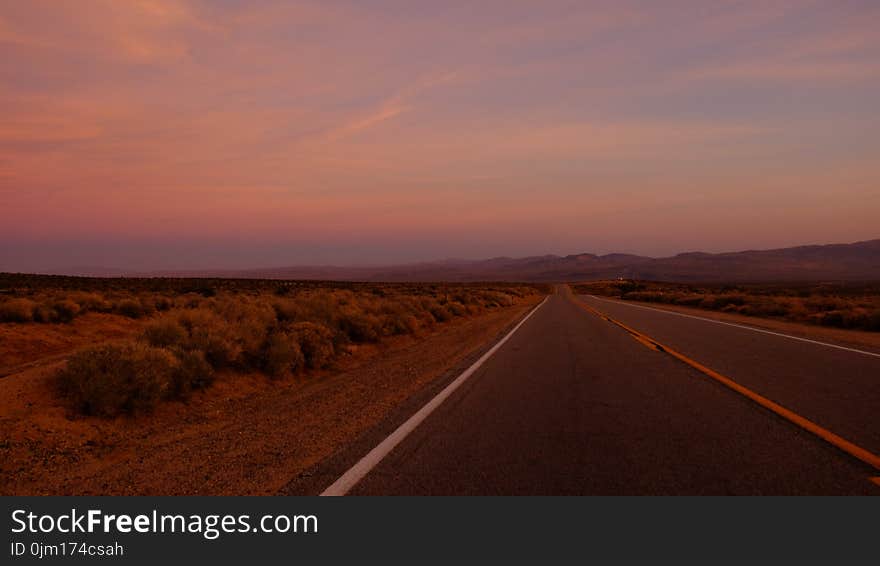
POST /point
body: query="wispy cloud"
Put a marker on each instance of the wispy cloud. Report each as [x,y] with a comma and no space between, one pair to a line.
[303,120]
[394,105]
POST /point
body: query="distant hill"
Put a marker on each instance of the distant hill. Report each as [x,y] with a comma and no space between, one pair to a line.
[859,261]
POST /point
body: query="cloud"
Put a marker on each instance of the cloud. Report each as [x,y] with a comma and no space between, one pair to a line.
[137,31]
[391,107]
[387,112]
[307,118]
[835,74]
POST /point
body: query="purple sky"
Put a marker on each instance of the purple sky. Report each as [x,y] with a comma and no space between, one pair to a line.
[192,134]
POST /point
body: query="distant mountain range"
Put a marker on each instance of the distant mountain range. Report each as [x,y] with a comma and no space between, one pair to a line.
[859,261]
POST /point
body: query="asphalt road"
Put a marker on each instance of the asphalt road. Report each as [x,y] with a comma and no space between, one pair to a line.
[572,404]
[838,388]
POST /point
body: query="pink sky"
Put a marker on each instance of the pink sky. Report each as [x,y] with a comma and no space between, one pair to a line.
[187,134]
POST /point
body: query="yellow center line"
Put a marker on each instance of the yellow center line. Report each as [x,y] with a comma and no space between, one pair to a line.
[650,345]
[843,444]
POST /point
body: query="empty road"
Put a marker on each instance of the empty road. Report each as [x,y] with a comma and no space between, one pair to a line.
[573,404]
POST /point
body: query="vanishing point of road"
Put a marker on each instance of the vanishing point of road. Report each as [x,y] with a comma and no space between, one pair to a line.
[574,403]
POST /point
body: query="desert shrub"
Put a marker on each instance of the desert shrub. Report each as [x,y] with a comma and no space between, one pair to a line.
[434,311]
[188,301]
[131,308]
[822,304]
[493,299]
[688,300]
[401,323]
[440,313]
[89,301]
[359,326]
[210,334]
[852,318]
[17,310]
[286,310]
[163,304]
[165,332]
[65,310]
[765,306]
[872,321]
[397,316]
[474,309]
[248,323]
[112,379]
[251,335]
[148,306]
[832,318]
[206,291]
[856,318]
[282,355]
[45,313]
[316,342]
[278,335]
[456,308]
[645,296]
[192,371]
[720,301]
[629,287]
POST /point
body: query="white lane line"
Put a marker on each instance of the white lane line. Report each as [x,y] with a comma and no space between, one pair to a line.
[350,478]
[752,328]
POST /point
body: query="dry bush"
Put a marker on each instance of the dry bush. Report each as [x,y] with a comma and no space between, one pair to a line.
[89,301]
[718,302]
[248,323]
[873,320]
[457,309]
[65,310]
[403,323]
[148,305]
[441,313]
[823,304]
[397,317]
[765,306]
[688,300]
[359,326]
[316,342]
[163,303]
[112,379]
[188,301]
[492,299]
[192,371]
[45,313]
[282,355]
[17,310]
[132,308]
[228,333]
[278,335]
[165,332]
[286,310]
[646,296]
[210,334]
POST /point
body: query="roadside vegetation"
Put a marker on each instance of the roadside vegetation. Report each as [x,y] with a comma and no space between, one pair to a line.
[849,306]
[195,329]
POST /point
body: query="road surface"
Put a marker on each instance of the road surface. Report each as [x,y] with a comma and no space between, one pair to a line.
[572,404]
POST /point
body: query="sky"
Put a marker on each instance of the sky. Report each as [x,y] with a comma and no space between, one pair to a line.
[178,134]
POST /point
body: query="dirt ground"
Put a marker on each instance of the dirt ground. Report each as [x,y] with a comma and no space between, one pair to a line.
[244,436]
[27,345]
